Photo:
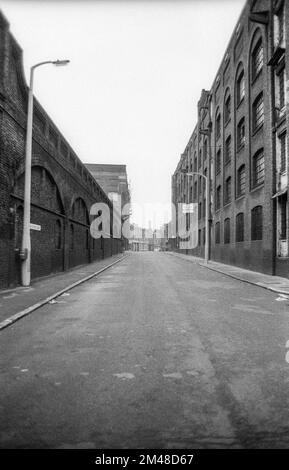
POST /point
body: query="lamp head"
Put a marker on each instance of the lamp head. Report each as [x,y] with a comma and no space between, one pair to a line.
[60,62]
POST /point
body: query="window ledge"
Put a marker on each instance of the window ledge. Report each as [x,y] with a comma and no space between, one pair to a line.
[227,122]
[256,188]
[240,197]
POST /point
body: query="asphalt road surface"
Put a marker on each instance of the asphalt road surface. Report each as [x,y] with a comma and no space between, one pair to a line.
[154,353]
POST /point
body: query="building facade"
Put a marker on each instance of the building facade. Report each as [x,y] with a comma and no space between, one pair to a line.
[114,181]
[240,143]
[62,192]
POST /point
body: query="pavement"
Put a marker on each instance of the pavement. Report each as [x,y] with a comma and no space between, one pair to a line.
[274,283]
[155,352]
[20,301]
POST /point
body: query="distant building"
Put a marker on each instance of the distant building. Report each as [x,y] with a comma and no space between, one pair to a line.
[114,181]
[240,143]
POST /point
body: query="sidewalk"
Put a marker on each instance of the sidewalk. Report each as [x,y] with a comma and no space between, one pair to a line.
[276,284]
[24,300]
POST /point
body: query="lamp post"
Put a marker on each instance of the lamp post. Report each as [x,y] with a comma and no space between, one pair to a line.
[207,211]
[25,253]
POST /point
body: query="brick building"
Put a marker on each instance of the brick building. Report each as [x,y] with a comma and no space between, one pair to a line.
[63,190]
[240,143]
[113,180]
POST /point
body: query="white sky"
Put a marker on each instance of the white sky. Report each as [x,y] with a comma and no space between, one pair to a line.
[137,69]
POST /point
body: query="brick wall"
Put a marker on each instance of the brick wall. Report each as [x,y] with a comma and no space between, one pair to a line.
[257,255]
[59,182]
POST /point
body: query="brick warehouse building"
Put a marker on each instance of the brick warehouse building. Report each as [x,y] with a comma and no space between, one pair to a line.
[62,192]
[241,143]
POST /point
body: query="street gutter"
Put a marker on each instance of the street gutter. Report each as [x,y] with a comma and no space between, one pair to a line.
[233,276]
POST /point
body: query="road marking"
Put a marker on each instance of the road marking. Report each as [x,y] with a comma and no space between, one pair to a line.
[125,376]
[173,375]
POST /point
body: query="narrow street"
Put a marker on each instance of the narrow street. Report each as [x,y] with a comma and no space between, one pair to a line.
[156,352]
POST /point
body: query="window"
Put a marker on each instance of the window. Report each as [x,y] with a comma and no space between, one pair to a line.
[283,153]
[218,126]
[282,88]
[200,210]
[195,190]
[196,162]
[257,59]
[241,181]
[283,216]
[57,235]
[240,87]
[204,208]
[258,112]
[228,190]
[71,239]
[217,233]
[227,109]
[281,18]
[200,158]
[205,149]
[258,168]
[257,223]
[241,134]
[228,150]
[227,234]
[218,162]
[240,227]
[218,197]
[199,237]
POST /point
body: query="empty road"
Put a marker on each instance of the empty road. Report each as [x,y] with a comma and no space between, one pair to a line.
[156,352]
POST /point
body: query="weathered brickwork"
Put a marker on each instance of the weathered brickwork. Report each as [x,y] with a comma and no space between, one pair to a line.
[62,188]
[238,144]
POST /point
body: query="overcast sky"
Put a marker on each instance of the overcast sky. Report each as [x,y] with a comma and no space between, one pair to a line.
[137,69]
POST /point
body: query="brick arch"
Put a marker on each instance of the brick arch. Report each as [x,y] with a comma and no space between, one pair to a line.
[78,211]
[257,36]
[44,190]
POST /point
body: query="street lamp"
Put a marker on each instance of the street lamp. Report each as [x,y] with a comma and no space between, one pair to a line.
[26,243]
[207,210]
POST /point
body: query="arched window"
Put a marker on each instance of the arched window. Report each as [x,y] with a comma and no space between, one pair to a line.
[218,162]
[258,112]
[241,181]
[258,168]
[257,223]
[227,231]
[58,235]
[240,227]
[218,126]
[228,150]
[227,107]
[218,197]
[200,158]
[241,134]
[205,149]
[228,190]
[257,59]
[240,86]
[217,233]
